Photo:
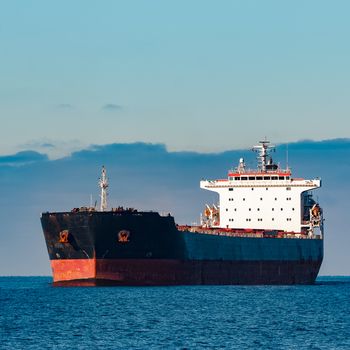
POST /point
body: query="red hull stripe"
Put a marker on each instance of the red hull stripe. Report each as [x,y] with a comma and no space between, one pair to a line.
[258,174]
[175,272]
[73,269]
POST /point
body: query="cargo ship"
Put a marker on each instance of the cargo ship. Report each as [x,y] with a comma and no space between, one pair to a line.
[265,229]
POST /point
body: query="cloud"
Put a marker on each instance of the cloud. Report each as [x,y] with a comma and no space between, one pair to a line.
[47,145]
[54,149]
[22,158]
[65,106]
[37,144]
[111,107]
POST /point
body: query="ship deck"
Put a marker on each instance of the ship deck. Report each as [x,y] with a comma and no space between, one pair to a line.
[251,233]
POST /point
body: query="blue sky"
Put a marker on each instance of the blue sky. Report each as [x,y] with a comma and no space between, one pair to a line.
[194,75]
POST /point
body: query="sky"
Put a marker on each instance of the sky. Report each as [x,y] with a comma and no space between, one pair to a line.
[194,75]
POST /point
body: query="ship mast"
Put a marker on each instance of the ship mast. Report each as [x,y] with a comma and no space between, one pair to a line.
[103,183]
[264,150]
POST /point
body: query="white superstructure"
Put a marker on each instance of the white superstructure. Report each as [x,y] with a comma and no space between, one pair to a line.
[267,198]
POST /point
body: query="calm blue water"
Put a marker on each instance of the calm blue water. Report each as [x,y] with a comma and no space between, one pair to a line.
[35,315]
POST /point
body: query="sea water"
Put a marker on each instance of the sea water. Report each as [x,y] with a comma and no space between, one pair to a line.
[36,315]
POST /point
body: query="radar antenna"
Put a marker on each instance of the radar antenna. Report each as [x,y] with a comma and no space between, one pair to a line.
[103,183]
[263,150]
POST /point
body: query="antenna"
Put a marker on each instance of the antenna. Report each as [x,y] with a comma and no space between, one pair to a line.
[287,155]
[103,183]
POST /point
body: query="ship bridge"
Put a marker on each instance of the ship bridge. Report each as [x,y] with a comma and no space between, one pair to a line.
[266,198]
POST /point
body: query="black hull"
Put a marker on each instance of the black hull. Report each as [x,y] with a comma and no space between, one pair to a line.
[130,248]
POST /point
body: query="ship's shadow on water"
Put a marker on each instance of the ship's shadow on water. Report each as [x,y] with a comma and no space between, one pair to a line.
[333,281]
[281,286]
[320,281]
